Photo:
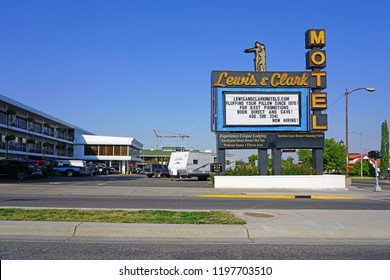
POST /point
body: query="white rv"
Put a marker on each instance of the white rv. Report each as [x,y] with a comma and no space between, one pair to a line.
[195,164]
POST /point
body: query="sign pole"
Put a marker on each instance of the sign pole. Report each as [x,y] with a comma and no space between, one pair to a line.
[276,161]
[318,161]
[262,161]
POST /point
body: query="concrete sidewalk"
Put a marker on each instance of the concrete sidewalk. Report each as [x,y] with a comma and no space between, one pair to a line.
[261,225]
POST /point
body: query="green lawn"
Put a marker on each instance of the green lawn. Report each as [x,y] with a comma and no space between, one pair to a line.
[120,216]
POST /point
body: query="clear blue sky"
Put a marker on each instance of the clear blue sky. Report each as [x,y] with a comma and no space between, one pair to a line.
[124,68]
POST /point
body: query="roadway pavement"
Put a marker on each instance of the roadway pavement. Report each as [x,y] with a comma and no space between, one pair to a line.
[305,226]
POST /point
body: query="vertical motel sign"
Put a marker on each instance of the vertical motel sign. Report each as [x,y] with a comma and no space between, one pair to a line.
[238,97]
[316,61]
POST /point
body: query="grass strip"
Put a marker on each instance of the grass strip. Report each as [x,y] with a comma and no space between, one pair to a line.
[120,216]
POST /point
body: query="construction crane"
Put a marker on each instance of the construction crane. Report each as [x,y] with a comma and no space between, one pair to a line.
[169,135]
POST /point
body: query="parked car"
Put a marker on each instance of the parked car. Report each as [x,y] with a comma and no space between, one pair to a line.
[104,169]
[92,169]
[65,167]
[156,170]
[20,169]
[45,165]
[137,170]
[386,175]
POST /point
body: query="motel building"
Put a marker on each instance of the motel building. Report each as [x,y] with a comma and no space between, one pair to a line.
[123,153]
[26,133]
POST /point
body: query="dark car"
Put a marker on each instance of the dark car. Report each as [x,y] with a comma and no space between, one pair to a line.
[92,168]
[156,170]
[138,170]
[386,175]
[46,167]
[104,169]
[20,169]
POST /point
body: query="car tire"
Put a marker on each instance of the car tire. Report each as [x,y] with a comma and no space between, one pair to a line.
[22,175]
[69,173]
[157,175]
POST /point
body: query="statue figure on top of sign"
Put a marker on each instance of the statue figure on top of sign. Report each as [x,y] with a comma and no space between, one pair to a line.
[260,57]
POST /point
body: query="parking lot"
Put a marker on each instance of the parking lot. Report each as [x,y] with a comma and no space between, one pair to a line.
[118,180]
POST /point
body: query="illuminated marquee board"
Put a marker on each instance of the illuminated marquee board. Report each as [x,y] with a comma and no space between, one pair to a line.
[266,108]
[259,109]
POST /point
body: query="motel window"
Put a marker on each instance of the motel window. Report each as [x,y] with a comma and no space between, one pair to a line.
[90,150]
[123,150]
[37,127]
[110,150]
[102,150]
[13,120]
[117,150]
[195,161]
[106,150]
[133,152]
[22,123]
[3,117]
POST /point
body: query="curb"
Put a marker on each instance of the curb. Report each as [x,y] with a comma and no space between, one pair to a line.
[329,233]
[86,230]
[245,196]
[30,228]
[158,231]
[114,230]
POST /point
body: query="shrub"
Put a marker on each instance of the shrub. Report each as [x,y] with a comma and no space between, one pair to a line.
[243,171]
[294,169]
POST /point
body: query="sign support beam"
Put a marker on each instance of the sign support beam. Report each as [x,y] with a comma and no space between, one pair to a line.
[221,157]
[276,161]
[318,161]
[262,160]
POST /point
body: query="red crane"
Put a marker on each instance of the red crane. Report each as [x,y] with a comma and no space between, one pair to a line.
[169,135]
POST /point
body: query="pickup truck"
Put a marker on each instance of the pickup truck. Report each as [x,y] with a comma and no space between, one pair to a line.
[66,168]
[156,170]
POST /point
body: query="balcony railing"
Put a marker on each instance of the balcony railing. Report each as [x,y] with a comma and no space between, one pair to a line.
[31,148]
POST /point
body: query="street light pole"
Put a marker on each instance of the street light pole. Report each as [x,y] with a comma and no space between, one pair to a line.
[347,93]
[361,155]
[346,132]
[377,187]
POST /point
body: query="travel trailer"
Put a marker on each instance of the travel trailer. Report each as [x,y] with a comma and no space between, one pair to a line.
[195,164]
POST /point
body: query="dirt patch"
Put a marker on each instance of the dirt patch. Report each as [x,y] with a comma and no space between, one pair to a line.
[258,215]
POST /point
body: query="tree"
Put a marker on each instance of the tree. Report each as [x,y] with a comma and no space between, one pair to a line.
[252,159]
[304,155]
[368,169]
[384,166]
[334,156]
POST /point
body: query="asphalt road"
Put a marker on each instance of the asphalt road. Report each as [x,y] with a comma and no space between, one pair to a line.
[139,192]
[44,250]
[137,180]
[189,203]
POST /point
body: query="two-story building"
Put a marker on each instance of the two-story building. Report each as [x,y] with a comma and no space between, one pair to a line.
[27,133]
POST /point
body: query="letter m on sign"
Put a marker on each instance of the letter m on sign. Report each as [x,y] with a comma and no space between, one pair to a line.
[315,38]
